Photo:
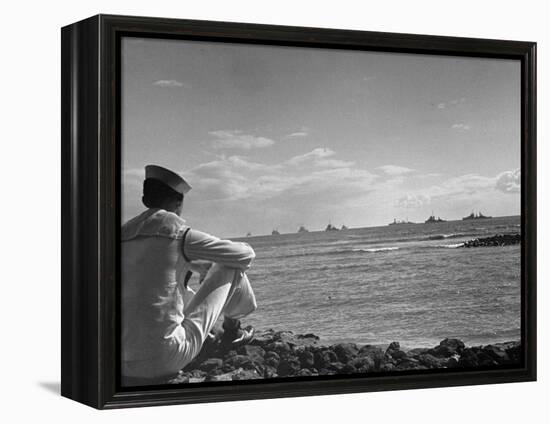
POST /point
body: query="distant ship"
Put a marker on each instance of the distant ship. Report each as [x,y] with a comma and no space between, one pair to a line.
[331,227]
[475,216]
[400,222]
[344,228]
[432,219]
[275,233]
[249,234]
[303,229]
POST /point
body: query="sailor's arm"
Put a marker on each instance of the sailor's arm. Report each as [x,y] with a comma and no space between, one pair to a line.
[202,246]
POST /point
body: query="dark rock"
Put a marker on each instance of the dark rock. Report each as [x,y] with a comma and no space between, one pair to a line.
[271,354]
[498,354]
[211,364]
[393,347]
[264,338]
[394,352]
[369,350]
[307,359]
[281,354]
[387,367]
[514,353]
[308,336]
[325,371]
[226,367]
[348,369]
[452,362]
[431,361]
[197,374]
[284,336]
[337,367]
[289,338]
[218,371]
[447,348]
[324,357]
[418,351]
[363,364]
[230,354]
[278,347]
[272,359]
[373,352]
[270,372]
[408,364]
[239,361]
[180,379]
[255,353]
[289,366]
[345,351]
[496,240]
[246,375]
[306,340]
[237,374]
[468,359]
[272,362]
[399,355]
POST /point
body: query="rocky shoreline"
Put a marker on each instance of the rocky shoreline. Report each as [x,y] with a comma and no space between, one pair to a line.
[274,354]
[496,240]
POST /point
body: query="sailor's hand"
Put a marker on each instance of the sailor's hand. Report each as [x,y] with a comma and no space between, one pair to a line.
[201,267]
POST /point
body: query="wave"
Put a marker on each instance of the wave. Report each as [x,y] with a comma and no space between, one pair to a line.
[355,251]
[441,246]
[358,241]
[449,236]
[355,248]
[450,246]
[378,249]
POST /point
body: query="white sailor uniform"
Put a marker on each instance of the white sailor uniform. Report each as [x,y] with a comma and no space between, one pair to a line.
[164,324]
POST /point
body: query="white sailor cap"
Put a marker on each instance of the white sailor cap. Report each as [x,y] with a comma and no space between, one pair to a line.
[171,179]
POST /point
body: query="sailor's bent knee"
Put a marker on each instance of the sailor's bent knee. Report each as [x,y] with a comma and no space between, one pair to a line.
[221,271]
[253,304]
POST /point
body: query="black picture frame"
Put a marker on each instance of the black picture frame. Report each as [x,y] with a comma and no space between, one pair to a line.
[91,208]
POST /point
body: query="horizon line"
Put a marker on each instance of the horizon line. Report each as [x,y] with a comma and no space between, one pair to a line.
[360,228]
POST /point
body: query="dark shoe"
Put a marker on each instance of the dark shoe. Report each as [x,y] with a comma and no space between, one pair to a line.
[238,337]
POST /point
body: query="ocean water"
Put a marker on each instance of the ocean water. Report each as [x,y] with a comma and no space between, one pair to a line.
[406,283]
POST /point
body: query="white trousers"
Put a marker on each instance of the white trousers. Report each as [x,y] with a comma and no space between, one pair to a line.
[224,291]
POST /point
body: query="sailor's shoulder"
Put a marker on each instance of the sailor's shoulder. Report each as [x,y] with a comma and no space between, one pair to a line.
[165,223]
[167,216]
[154,222]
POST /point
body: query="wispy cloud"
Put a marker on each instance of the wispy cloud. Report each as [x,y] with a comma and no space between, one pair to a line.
[460,126]
[301,133]
[466,187]
[319,185]
[395,170]
[236,139]
[168,83]
[237,177]
[334,163]
[451,103]
[315,154]
[509,181]
[412,201]
[298,134]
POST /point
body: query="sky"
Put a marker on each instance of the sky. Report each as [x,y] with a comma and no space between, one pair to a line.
[274,137]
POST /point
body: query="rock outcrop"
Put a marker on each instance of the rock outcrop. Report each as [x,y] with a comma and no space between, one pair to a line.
[274,354]
[496,240]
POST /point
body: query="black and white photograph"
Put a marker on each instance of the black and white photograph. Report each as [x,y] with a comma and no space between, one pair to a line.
[294,212]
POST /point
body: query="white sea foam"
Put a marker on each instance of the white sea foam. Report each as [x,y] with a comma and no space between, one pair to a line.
[377,249]
[451,246]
